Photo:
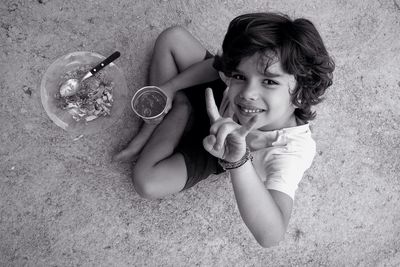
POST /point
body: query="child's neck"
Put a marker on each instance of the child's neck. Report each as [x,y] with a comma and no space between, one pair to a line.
[292,121]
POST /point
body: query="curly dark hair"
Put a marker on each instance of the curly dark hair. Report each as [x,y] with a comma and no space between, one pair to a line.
[296,43]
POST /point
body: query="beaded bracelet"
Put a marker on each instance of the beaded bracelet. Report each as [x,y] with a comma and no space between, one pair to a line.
[226,165]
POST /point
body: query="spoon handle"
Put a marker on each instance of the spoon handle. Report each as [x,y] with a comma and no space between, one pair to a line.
[105,62]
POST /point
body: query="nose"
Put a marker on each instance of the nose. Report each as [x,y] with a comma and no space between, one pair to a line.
[249,92]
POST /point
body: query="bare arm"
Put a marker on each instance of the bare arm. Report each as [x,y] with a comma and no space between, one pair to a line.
[198,73]
[265,212]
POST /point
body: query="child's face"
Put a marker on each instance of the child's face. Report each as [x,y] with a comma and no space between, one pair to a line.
[253,92]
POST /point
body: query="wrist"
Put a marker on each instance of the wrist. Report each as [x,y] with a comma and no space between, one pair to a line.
[167,87]
[227,165]
[168,90]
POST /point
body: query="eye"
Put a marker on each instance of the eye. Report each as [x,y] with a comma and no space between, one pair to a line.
[270,82]
[238,77]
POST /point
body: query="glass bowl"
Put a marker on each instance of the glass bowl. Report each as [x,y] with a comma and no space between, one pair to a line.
[55,76]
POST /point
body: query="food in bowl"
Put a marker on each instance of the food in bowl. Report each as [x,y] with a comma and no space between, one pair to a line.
[93,99]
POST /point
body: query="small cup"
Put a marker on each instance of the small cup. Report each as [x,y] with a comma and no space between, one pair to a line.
[150,103]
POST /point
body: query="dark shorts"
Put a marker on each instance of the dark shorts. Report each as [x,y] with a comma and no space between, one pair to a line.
[199,163]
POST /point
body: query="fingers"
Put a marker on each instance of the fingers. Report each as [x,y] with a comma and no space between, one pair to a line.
[246,128]
[212,108]
[221,129]
[209,144]
[168,105]
[225,126]
[221,135]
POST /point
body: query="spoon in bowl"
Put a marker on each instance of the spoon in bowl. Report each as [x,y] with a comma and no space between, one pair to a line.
[71,86]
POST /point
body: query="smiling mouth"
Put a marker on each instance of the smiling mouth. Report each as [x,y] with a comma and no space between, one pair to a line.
[249,110]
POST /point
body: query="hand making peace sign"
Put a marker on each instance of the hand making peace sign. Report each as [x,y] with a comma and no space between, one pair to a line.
[227,139]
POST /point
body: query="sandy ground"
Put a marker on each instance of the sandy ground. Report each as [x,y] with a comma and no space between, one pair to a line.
[63,203]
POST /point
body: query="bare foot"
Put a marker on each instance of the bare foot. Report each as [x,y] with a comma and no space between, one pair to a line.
[131,152]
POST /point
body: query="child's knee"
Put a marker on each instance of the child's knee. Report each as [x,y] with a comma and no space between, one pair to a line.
[144,185]
[172,35]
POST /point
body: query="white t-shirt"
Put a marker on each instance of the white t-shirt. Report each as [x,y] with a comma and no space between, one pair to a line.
[280,157]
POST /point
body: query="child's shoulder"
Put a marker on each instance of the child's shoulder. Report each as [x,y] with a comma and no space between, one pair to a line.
[287,141]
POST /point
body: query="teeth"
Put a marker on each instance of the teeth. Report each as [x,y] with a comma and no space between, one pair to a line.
[252,110]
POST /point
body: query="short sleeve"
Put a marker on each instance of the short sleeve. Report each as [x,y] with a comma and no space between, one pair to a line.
[285,171]
[281,157]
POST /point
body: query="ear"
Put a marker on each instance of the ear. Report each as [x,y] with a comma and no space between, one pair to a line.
[293,105]
[292,86]
[224,78]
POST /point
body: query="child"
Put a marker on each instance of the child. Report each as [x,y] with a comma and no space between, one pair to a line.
[272,70]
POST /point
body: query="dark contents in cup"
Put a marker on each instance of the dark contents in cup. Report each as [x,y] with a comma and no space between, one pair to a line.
[150,104]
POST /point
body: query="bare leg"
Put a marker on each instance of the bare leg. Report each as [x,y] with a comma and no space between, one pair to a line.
[158,171]
[174,51]
[131,152]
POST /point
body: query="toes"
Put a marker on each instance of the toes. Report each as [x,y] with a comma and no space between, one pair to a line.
[124,156]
